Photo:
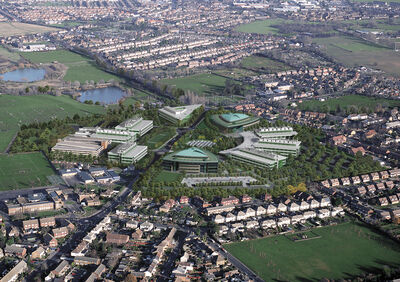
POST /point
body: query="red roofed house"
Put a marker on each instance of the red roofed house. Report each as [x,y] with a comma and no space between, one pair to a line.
[354,151]
[119,239]
[338,140]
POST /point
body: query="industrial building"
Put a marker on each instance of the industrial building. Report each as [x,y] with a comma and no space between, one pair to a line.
[258,158]
[234,121]
[178,115]
[192,160]
[127,153]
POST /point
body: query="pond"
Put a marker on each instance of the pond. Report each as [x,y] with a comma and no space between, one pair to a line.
[108,95]
[24,75]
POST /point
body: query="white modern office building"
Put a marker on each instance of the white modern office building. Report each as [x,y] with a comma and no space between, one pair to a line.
[279,146]
[178,115]
[127,153]
[276,132]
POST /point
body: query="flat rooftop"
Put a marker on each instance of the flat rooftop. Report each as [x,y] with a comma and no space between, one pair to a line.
[179,113]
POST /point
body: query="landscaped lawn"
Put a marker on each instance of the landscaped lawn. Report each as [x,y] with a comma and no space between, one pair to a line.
[158,136]
[168,176]
[346,102]
[80,68]
[24,170]
[18,110]
[343,251]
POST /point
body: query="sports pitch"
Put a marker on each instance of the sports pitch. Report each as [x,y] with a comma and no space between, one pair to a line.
[18,110]
[343,251]
[24,170]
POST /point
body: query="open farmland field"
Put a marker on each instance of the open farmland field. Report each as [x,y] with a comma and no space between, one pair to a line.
[80,68]
[263,64]
[17,28]
[24,170]
[342,251]
[18,110]
[345,102]
[355,52]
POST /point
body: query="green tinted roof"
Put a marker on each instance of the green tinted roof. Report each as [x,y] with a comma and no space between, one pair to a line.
[191,153]
[233,117]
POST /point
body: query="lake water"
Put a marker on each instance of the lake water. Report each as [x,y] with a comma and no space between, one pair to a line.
[108,95]
[24,75]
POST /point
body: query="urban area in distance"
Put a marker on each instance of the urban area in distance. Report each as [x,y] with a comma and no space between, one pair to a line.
[199,140]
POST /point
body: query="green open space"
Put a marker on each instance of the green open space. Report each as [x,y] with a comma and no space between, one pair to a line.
[359,102]
[167,177]
[204,83]
[18,110]
[4,53]
[24,170]
[352,52]
[211,85]
[261,27]
[158,136]
[259,63]
[80,68]
[18,28]
[343,251]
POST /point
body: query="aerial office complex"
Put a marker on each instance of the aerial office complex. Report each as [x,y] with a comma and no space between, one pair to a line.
[192,160]
[267,147]
[234,121]
[178,115]
[94,140]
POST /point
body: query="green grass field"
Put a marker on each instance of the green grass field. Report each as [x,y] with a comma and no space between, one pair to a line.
[261,27]
[4,53]
[24,170]
[343,251]
[347,102]
[168,176]
[356,52]
[18,110]
[80,68]
[203,83]
[258,63]
[158,136]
